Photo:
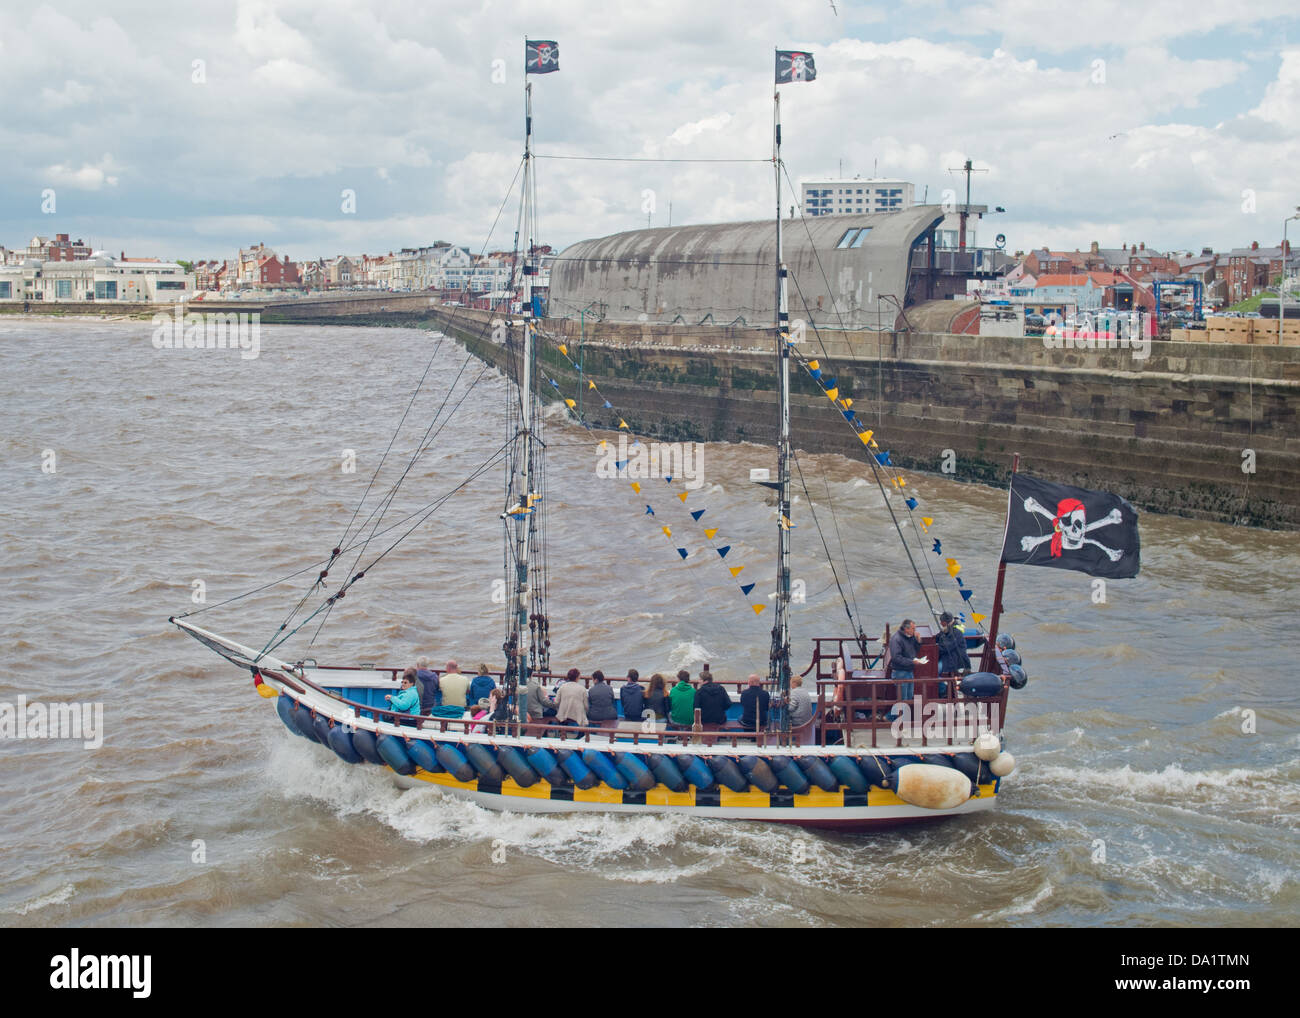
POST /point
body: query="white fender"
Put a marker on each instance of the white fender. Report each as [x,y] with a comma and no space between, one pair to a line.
[1003,765]
[931,786]
[988,746]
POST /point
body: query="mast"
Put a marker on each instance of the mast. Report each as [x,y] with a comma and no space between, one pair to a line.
[779,667]
[990,656]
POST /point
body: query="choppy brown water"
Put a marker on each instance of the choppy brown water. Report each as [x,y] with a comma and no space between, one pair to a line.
[180,465]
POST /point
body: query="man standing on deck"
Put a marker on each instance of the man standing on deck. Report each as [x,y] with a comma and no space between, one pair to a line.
[903,650]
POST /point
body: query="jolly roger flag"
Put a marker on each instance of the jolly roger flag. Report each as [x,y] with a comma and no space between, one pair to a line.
[792,65]
[541,56]
[1071,528]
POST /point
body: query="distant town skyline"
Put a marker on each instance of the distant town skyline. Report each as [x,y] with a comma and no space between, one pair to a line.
[194,133]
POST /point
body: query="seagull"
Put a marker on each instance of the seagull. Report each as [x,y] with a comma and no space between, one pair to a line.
[835,9]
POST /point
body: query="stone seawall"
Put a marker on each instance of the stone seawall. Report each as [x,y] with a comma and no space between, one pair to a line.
[1171,432]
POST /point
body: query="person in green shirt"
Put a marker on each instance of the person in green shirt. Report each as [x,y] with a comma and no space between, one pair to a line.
[682,701]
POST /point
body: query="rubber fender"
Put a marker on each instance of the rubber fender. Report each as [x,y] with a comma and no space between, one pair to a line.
[422,754]
[932,787]
[849,773]
[759,773]
[1011,657]
[578,771]
[483,761]
[818,773]
[878,770]
[972,766]
[981,684]
[668,773]
[394,753]
[364,743]
[302,720]
[517,767]
[695,770]
[284,707]
[604,767]
[1017,676]
[633,768]
[322,727]
[341,742]
[790,774]
[543,761]
[728,773]
[453,762]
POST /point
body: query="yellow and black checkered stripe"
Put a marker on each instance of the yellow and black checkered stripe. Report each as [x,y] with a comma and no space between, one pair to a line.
[661,796]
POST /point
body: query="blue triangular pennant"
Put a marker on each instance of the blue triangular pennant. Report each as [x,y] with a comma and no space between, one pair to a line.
[850,414]
[554,385]
[883,458]
[620,464]
[815,372]
[938,548]
[668,480]
[681,552]
[609,405]
[722,552]
[911,503]
[649,511]
[828,383]
[696,514]
[746,588]
[966,593]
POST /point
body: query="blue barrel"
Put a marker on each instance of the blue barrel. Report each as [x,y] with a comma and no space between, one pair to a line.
[791,776]
[394,753]
[604,766]
[818,773]
[454,762]
[422,754]
[696,771]
[633,768]
[727,773]
[364,743]
[482,760]
[516,766]
[667,772]
[321,726]
[303,721]
[877,769]
[578,771]
[759,773]
[341,742]
[981,684]
[543,761]
[849,773]
[284,707]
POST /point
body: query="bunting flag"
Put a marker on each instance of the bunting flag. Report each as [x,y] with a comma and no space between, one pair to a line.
[681,552]
[649,511]
[794,65]
[542,56]
[696,514]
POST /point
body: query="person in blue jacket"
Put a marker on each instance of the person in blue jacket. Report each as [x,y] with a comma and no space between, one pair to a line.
[480,688]
[408,700]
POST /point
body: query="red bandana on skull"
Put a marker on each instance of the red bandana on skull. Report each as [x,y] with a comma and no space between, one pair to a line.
[1063,509]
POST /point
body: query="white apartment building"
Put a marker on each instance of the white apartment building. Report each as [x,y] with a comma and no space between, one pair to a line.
[841,197]
[98,278]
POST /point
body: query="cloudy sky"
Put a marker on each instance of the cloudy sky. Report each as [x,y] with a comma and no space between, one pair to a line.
[186,131]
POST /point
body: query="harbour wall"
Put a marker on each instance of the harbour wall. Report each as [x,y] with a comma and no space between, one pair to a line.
[1204,430]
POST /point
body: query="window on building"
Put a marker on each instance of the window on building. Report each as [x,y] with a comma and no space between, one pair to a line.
[63,288]
[6,290]
[170,284]
[853,237]
[106,289]
[862,235]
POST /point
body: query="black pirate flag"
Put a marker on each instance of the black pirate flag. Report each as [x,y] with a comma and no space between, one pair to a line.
[792,65]
[1071,528]
[541,56]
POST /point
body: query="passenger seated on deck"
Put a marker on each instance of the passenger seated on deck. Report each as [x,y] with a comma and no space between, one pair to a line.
[801,708]
[408,700]
[632,695]
[656,697]
[454,686]
[427,680]
[538,704]
[753,705]
[682,701]
[571,700]
[712,700]
[482,685]
[600,699]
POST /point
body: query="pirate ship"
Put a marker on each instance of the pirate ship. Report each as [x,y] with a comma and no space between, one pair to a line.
[862,759]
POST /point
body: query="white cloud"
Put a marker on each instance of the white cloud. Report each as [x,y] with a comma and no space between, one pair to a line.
[87,177]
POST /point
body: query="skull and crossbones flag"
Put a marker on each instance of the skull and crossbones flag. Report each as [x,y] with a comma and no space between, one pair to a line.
[1071,528]
[541,56]
[792,65]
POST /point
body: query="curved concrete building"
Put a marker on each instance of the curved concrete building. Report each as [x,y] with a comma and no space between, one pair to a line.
[849,271]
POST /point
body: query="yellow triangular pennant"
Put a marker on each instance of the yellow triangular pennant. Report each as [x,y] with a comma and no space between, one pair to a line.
[926,521]
[667,532]
[564,350]
[622,423]
[591,384]
[735,570]
[758,608]
[846,402]
[636,487]
[954,567]
[571,403]
[683,496]
[833,393]
[603,443]
[977,617]
[709,533]
[865,436]
[813,365]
